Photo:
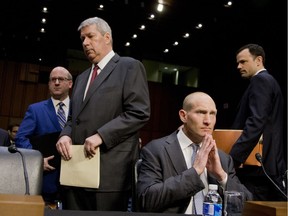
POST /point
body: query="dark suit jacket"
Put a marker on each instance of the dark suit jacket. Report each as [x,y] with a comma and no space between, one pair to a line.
[40,118]
[116,106]
[261,112]
[4,138]
[166,185]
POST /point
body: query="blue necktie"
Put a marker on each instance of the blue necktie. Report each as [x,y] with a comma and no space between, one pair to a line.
[61,115]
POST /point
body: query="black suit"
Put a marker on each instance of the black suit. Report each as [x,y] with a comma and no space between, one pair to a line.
[261,112]
[166,185]
[116,106]
[4,138]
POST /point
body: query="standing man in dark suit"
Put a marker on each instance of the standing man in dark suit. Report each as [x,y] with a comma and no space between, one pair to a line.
[4,138]
[260,114]
[106,114]
[40,119]
[168,180]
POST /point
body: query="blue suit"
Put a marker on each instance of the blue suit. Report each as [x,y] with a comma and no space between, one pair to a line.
[40,119]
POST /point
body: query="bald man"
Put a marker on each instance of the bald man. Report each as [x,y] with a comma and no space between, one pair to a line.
[40,119]
[168,179]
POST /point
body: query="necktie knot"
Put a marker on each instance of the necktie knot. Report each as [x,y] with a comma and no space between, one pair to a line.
[195,147]
[94,73]
[61,104]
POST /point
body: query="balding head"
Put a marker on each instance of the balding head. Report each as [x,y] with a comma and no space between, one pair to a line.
[192,98]
[60,82]
[198,115]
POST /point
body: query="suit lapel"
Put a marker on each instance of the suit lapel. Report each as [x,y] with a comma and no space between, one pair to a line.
[105,72]
[49,108]
[175,153]
[79,91]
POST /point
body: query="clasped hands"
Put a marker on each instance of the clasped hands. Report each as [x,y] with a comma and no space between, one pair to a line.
[208,157]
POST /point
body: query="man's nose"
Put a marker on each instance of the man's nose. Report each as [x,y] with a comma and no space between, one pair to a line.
[207,119]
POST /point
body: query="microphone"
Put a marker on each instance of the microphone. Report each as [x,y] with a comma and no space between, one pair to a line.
[259,159]
[13,149]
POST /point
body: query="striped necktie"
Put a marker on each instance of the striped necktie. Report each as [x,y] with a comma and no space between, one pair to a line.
[61,115]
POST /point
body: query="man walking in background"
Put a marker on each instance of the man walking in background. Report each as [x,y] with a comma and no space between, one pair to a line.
[260,114]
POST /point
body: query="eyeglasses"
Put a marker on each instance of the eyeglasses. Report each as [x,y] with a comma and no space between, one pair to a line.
[60,79]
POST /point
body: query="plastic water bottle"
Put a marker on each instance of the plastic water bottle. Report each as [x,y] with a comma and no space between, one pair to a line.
[212,205]
[58,204]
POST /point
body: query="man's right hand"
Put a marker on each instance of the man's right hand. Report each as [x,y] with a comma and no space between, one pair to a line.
[64,147]
[47,166]
[201,158]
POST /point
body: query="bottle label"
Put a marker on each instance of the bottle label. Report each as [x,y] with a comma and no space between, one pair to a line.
[212,209]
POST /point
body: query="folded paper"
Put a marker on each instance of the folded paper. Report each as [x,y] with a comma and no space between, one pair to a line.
[80,171]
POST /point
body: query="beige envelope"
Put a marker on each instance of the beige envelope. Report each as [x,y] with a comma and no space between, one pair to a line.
[80,171]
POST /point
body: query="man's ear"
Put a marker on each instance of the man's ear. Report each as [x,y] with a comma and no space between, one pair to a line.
[107,37]
[259,60]
[183,115]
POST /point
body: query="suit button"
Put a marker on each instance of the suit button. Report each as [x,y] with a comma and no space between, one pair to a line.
[77,121]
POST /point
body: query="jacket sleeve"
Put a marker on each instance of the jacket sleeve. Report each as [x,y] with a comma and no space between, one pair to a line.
[233,183]
[160,192]
[26,129]
[259,106]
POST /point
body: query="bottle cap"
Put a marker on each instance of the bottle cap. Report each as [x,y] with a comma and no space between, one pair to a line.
[213,187]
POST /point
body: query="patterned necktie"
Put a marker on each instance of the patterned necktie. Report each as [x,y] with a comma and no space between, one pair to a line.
[195,149]
[61,115]
[94,74]
[198,197]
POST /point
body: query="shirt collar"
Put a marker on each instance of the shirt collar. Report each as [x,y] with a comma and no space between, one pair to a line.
[55,102]
[259,71]
[106,59]
[184,141]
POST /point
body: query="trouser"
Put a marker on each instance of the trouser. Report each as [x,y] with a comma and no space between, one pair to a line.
[82,199]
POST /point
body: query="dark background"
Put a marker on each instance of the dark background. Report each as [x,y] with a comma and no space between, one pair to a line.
[210,49]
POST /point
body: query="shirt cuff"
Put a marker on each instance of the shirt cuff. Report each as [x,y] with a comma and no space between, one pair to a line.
[224,181]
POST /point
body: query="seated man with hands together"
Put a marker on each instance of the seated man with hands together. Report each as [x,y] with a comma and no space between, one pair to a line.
[168,180]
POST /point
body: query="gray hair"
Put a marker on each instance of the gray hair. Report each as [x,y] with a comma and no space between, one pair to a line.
[102,26]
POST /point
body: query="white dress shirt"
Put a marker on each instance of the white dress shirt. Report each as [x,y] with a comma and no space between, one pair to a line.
[65,107]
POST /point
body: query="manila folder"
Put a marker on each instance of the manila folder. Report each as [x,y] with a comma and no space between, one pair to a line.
[80,171]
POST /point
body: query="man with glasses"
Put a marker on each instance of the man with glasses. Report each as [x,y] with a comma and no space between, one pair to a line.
[42,118]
